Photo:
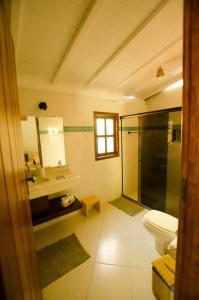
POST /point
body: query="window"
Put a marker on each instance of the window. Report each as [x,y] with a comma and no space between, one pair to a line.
[106,135]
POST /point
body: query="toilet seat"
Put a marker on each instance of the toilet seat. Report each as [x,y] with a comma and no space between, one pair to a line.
[163,227]
[161,221]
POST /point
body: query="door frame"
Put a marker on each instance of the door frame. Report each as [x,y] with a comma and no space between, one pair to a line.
[19,277]
[187,264]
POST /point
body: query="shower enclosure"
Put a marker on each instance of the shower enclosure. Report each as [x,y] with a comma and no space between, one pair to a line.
[151,158]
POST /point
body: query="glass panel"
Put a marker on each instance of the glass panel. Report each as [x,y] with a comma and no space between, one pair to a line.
[130,157]
[110,144]
[173,164]
[100,126]
[100,145]
[153,168]
[151,155]
[109,126]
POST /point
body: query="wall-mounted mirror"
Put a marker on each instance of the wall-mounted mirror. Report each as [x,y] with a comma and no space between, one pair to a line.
[30,140]
[51,134]
[43,139]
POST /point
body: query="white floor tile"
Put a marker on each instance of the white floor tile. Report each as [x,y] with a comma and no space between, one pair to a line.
[89,242]
[71,286]
[115,227]
[115,222]
[113,251]
[109,283]
[142,253]
[121,252]
[136,229]
[90,225]
[141,284]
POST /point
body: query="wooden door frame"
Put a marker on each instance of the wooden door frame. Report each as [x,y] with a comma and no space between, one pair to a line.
[18,262]
[187,265]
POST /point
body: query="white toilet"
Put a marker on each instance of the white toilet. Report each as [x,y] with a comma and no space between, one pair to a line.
[163,226]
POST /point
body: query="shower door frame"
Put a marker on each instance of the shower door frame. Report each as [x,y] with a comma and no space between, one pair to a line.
[167,110]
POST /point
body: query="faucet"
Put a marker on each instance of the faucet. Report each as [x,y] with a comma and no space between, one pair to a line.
[31,179]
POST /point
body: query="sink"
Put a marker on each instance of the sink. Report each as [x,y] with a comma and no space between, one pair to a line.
[58,179]
[40,180]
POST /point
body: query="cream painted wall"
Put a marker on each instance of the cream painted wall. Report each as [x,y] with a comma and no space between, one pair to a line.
[134,107]
[163,100]
[166,99]
[102,178]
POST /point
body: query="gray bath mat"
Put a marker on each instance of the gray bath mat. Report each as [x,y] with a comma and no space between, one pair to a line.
[59,258]
[127,206]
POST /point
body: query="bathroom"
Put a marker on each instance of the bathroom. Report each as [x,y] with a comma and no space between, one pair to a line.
[102,233]
[73,88]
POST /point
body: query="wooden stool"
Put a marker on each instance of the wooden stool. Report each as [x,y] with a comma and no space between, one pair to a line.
[90,201]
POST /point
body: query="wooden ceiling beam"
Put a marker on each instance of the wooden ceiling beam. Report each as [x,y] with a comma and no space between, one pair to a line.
[130,38]
[76,38]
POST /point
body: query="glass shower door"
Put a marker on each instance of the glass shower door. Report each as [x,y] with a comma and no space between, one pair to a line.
[130,158]
[151,159]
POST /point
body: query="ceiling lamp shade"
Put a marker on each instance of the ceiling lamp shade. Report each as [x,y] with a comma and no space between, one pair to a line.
[160,72]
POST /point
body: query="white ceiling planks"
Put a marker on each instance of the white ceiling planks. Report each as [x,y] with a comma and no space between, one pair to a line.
[113,23]
[150,42]
[171,60]
[103,48]
[72,46]
[47,26]
[148,69]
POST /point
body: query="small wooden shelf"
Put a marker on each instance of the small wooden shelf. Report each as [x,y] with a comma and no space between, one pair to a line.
[54,210]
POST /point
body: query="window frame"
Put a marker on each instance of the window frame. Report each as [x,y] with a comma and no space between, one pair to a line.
[115,135]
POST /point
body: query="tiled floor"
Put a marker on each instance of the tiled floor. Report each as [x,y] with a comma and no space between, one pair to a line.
[121,251]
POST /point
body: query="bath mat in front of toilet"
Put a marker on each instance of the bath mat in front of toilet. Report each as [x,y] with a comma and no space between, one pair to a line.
[59,258]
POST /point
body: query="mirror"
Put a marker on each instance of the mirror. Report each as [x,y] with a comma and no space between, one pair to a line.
[30,140]
[51,135]
[43,140]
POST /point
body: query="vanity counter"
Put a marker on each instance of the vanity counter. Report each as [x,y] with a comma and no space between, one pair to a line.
[57,179]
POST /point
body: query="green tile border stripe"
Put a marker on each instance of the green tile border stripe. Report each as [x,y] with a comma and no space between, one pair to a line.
[78,128]
[46,132]
[91,128]
[128,128]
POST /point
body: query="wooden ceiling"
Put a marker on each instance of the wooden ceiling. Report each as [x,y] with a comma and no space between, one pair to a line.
[100,48]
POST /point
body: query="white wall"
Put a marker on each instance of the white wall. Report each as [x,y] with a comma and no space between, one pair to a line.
[135,107]
[166,99]
[163,100]
[102,178]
